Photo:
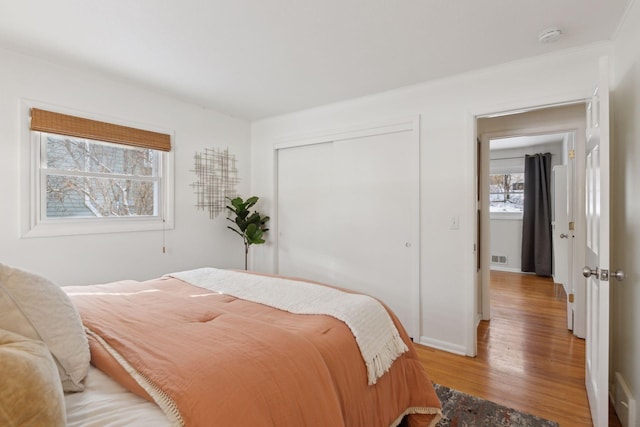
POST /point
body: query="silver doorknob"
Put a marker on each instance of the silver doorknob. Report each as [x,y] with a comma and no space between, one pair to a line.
[588,272]
[619,275]
[564,236]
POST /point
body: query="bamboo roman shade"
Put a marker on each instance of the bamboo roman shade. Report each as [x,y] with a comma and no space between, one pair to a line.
[47,121]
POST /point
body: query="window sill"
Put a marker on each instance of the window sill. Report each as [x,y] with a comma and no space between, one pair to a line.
[508,216]
[73,227]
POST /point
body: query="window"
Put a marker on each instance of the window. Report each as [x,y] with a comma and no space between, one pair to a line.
[506,192]
[83,178]
[91,177]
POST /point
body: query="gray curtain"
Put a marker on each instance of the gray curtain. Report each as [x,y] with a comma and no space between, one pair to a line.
[537,253]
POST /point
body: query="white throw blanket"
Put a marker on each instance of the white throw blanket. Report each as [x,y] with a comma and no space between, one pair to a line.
[376,335]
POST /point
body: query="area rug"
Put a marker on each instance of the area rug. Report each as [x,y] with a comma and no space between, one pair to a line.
[460,409]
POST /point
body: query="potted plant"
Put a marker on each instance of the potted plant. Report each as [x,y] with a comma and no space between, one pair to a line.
[250,226]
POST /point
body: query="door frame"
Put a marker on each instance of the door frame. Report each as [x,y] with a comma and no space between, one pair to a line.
[485,217]
[473,296]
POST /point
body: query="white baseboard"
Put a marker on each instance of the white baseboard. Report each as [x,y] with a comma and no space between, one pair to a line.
[478,319]
[443,345]
[509,269]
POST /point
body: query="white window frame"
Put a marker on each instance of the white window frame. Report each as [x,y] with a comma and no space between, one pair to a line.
[34,221]
[505,215]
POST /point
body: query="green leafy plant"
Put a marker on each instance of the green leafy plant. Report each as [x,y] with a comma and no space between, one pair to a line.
[250,226]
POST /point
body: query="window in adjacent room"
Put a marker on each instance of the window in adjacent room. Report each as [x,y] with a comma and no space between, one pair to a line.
[92,176]
[506,192]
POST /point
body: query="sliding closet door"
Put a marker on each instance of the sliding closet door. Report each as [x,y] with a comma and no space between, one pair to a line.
[306,208]
[348,216]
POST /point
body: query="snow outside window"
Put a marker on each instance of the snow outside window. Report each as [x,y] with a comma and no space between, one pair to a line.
[506,192]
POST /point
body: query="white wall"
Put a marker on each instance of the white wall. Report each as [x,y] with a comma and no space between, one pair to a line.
[625,203]
[506,239]
[195,241]
[447,108]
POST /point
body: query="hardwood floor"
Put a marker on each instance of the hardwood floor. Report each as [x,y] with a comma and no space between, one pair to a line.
[527,359]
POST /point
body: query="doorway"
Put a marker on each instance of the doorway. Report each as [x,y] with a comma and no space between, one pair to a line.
[504,141]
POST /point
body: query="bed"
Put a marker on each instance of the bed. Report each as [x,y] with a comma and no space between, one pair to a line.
[219,347]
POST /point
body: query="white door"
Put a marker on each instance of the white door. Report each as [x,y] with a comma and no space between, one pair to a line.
[348,215]
[561,235]
[597,249]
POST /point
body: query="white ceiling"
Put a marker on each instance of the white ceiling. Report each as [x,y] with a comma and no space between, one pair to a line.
[259,58]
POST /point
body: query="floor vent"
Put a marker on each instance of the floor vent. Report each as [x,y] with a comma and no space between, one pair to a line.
[498,259]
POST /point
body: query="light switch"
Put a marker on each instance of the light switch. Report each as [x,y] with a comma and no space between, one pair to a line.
[454,223]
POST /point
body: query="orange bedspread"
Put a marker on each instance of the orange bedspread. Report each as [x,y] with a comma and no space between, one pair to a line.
[224,361]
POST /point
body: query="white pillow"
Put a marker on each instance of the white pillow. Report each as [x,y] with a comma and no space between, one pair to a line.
[36,308]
